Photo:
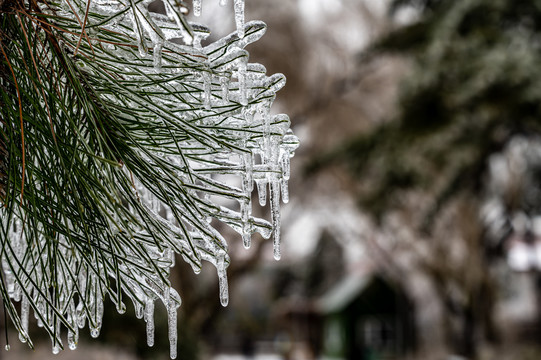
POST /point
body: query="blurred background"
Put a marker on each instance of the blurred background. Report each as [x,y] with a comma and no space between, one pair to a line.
[413,229]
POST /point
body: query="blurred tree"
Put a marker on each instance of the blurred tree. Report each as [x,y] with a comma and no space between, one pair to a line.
[474,84]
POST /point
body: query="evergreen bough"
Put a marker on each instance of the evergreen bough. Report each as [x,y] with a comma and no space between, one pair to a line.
[125,141]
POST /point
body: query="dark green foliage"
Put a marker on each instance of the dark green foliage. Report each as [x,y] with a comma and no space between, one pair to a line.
[475,82]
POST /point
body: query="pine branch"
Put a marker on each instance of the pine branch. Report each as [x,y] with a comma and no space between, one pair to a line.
[119,148]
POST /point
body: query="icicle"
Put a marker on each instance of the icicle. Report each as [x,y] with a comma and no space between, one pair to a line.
[245,209]
[17,293]
[241,73]
[285,190]
[149,318]
[73,338]
[158,46]
[80,315]
[222,279]
[121,307]
[224,83]
[173,335]
[285,164]
[248,183]
[25,307]
[246,205]
[140,40]
[138,310]
[207,90]
[275,214]
[95,325]
[57,343]
[239,17]
[262,191]
[196,7]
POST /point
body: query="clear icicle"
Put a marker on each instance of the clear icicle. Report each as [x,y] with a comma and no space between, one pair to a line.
[285,165]
[246,205]
[262,191]
[121,307]
[285,190]
[57,343]
[138,310]
[222,279]
[224,84]
[196,7]
[245,208]
[241,73]
[138,34]
[73,338]
[158,55]
[239,17]
[25,308]
[80,315]
[172,324]
[207,90]
[275,214]
[285,175]
[149,318]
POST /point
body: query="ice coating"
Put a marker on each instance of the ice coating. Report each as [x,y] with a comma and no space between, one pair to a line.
[215,109]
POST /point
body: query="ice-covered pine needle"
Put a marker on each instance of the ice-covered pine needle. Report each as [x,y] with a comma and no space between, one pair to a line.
[138,147]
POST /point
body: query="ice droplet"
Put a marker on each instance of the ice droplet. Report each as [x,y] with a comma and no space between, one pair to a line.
[121,308]
[7,347]
[73,338]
